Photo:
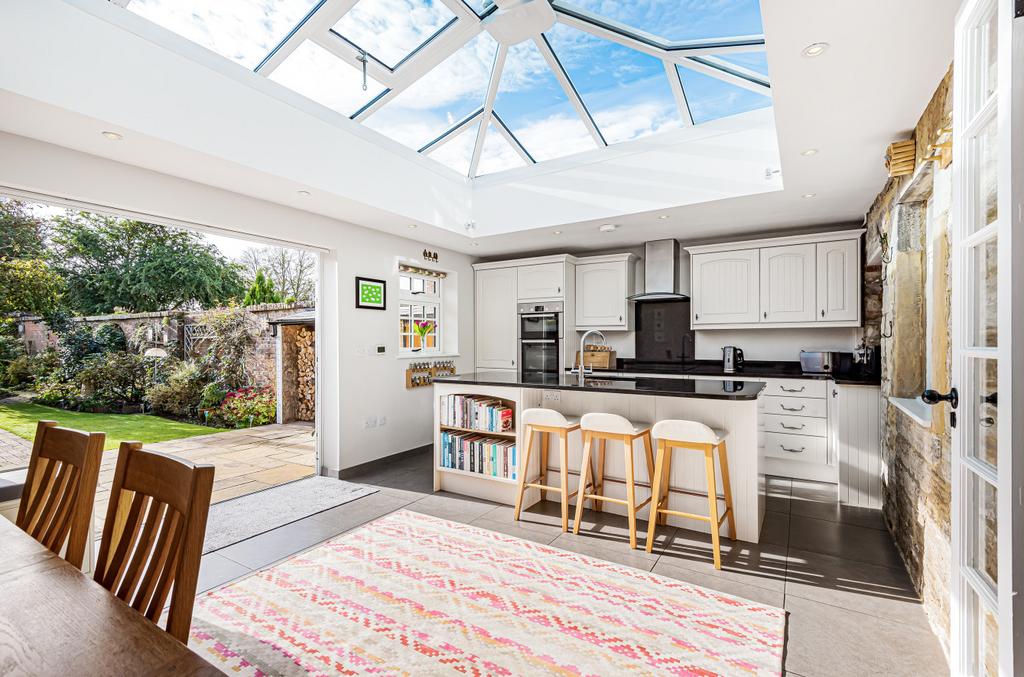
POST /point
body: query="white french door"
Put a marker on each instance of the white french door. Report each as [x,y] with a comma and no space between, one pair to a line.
[987,332]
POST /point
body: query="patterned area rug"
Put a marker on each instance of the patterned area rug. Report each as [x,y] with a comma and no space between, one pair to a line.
[416,595]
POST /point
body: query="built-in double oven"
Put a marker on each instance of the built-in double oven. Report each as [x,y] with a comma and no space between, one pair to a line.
[540,337]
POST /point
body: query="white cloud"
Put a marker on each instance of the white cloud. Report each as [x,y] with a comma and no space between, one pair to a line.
[391,29]
[319,75]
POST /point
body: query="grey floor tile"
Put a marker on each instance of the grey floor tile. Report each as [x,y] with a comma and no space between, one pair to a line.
[775,529]
[451,507]
[809,490]
[368,508]
[778,491]
[826,640]
[861,544]
[760,564]
[617,551]
[216,570]
[729,586]
[259,551]
[530,531]
[836,512]
[613,529]
[880,591]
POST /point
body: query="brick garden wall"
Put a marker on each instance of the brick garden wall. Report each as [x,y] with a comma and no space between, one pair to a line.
[916,486]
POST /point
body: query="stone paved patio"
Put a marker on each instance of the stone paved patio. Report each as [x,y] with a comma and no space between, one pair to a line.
[246,460]
[14,451]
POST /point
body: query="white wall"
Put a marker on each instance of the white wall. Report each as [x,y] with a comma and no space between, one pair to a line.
[772,344]
[353,386]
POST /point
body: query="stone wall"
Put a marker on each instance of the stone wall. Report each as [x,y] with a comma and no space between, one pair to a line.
[916,485]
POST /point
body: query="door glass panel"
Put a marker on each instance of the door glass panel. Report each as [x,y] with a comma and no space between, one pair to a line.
[981,507]
[982,411]
[985,180]
[985,658]
[989,37]
[985,274]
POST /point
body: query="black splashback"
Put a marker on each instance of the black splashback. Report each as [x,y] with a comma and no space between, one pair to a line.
[663,331]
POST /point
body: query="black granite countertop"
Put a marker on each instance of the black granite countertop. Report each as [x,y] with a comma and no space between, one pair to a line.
[750,370]
[624,385]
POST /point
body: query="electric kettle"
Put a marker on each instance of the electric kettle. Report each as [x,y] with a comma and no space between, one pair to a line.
[732,359]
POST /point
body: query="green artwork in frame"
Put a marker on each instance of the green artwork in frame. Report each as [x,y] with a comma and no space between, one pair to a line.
[371,293]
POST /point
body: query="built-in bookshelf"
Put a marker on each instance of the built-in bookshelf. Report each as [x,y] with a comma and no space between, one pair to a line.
[478,437]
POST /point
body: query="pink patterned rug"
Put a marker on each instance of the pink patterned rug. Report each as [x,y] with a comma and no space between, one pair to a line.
[413,594]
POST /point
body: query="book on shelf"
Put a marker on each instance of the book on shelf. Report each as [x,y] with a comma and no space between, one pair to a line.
[486,414]
[477,453]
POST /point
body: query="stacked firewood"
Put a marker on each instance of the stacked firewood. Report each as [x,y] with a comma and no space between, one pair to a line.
[306,374]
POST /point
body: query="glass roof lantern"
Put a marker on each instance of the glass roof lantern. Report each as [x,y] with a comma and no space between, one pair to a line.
[487,85]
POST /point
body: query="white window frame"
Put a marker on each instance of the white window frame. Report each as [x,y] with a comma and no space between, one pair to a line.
[424,299]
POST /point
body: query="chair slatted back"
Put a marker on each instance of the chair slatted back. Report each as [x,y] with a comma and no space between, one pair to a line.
[153,535]
[57,502]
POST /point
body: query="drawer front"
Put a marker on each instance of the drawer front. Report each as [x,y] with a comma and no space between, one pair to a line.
[796,447]
[794,406]
[792,387]
[794,425]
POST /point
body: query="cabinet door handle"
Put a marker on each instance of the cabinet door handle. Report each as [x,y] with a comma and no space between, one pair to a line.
[823,312]
[793,427]
[800,408]
[560,291]
[620,318]
[792,390]
[697,316]
[792,451]
[766,314]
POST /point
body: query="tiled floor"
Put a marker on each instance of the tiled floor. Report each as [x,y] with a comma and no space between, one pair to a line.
[852,608]
[14,451]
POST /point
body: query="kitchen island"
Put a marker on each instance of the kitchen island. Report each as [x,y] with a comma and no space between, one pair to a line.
[478,436]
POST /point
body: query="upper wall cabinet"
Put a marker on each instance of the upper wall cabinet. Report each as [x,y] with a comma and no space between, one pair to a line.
[542,281]
[798,281]
[602,285]
[723,287]
[787,283]
[839,281]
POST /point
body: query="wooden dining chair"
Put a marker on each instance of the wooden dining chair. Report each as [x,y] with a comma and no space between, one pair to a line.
[57,501]
[153,534]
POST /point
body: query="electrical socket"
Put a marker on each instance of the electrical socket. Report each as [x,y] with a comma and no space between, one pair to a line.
[552,396]
[382,421]
[370,422]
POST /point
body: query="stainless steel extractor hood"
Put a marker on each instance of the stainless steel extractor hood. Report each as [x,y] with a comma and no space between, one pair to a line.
[661,272]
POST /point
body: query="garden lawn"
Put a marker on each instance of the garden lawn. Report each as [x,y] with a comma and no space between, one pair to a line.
[21,420]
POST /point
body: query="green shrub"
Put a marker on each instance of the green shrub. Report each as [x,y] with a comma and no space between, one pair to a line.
[55,392]
[181,393]
[111,338]
[249,406]
[28,370]
[232,349]
[11,349]
[116,379]
[74,346]
[213,396]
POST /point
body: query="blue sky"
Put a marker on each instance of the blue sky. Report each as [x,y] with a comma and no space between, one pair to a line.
[627,92]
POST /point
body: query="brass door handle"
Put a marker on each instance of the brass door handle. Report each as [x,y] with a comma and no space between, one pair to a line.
[792,451]
[793,427]
[800,408]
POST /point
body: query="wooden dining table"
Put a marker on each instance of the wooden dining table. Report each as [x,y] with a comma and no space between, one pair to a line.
[55,620]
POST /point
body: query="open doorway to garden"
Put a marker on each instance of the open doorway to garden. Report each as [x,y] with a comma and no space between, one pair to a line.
[197,345]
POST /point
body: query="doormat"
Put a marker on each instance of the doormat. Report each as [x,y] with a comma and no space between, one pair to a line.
[240,518]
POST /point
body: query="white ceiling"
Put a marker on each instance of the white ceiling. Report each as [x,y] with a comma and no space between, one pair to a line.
[885,60]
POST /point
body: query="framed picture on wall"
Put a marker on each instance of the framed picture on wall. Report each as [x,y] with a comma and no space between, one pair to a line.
[371,293]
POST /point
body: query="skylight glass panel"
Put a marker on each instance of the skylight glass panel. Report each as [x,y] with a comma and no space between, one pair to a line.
[319,75]
[627,92]
[245,31]
[390,30]
[458,153]
[711,98]
[755,61]
[535,108]
[681,19]
[445,95]
[497,154]
[478,6]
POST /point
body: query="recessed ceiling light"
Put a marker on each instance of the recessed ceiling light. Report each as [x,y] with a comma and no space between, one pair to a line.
[303,193]
[475,244]
[808,196]
[815,49]
[113,136]
[414,225]
[809,152]
[557,232]
[607,228]
[663,217]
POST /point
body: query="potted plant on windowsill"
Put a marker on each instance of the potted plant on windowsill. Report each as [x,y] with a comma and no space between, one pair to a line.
[423,329]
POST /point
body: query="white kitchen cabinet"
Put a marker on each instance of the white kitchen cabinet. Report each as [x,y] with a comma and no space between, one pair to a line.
[839,281]
[788,283]
[541,281]
[496,294]
[724,287]
[602,285]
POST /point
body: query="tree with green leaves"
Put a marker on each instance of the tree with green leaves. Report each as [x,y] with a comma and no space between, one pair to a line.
[29,286]
[118,264]
[261,291]
[22,234]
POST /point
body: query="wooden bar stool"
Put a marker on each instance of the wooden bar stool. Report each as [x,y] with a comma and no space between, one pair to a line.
[675,434]
[547,422]
[603,427]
